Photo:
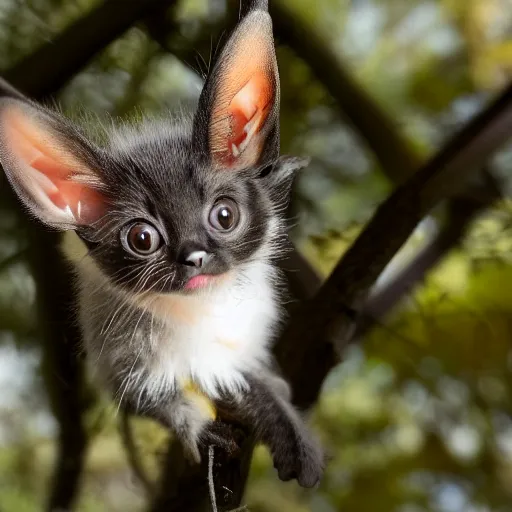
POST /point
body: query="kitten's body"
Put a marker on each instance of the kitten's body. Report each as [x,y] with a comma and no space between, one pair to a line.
[151,349]
[173,230]
[212,337]
[186,347]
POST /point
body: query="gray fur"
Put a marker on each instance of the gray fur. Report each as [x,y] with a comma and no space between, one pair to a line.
[163,351]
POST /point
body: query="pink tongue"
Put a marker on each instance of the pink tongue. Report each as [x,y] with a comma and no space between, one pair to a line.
[197,282]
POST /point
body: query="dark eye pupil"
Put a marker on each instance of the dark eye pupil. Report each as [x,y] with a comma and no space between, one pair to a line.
[140,238]
[225,217]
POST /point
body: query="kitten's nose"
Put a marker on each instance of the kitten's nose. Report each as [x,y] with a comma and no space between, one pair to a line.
[196,258]
[193,256]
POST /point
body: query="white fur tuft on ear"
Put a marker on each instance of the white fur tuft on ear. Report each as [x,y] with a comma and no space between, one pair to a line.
[45,168]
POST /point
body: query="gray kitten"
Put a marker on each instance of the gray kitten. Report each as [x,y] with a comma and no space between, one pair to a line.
[173,230]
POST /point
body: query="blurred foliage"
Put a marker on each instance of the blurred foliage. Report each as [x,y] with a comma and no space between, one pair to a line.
[418,418]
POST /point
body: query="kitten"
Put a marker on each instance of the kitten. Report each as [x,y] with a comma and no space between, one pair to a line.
[173,229]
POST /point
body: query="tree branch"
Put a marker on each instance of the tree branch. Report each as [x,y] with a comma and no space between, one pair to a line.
[371,122]
[328,319]
[462,211]
[47,69]
[62,370]
[184,486]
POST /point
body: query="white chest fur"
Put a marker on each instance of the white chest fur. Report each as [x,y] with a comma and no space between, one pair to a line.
[214,336]
[210,337]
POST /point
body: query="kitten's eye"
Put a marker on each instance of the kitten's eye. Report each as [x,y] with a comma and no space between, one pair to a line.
[143,239]
[224,216]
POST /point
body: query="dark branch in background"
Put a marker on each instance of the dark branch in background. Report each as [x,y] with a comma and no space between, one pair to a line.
[371,122]
[462,211]
[393,151]
[45,71]
[377,130]
[62,369]
[321,327]
[379,133]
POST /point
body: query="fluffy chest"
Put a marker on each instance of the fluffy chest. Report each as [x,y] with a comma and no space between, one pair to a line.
[212,339]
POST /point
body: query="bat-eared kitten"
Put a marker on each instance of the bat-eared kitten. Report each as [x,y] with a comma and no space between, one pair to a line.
[173,230]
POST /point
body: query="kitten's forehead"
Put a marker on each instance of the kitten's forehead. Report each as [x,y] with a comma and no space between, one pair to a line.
[152,146]
[160,156]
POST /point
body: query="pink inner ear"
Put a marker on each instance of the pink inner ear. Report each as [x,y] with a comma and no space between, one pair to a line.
[85,203]
[50,171]
[248,111]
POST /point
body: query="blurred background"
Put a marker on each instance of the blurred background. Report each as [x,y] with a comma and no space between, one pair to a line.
[418,416]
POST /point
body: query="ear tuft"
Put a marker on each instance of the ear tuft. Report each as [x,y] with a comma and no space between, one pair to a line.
[237,120]
[291,164]
[43,159]
[285,168]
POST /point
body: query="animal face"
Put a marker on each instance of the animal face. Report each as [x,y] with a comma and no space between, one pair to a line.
[167,206]
[172,222]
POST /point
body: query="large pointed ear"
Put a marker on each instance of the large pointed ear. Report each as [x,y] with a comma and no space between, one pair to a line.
[236,124]
[50,165]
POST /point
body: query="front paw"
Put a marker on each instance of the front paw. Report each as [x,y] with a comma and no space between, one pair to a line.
[301,459]
[221,435]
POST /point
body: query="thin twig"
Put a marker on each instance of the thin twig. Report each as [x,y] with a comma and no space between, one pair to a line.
[211,484]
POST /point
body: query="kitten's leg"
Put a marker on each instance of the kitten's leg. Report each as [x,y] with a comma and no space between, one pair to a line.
[276,423]
[279,385]
[191,419]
